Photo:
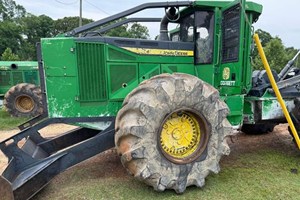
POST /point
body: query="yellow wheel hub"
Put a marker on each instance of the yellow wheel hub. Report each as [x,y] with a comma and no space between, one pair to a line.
[24,104]
[180,137]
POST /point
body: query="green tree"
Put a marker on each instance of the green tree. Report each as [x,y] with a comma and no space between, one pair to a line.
[33,29]
[138,31]
[275,53]
[9,10]
[67,24]
[10,36]
[135,30]
[8,55]
[120,31]
[36,27]
[291,52]
[10,30]
[27,51]
[265,38]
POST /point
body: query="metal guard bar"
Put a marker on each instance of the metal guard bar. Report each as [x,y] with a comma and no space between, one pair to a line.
[276,90]
[126,21]
[126,13]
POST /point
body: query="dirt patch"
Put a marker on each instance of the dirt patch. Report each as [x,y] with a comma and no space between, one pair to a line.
[279,139]
[4,135]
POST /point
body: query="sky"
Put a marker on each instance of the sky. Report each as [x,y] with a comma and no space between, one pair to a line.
[279,18]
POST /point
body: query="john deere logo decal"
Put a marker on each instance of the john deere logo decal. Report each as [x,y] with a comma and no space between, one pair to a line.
[226,73]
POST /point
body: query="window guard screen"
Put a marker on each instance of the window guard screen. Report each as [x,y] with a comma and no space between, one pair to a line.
[231,34]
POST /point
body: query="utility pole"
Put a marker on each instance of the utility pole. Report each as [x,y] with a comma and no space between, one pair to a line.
[80,14]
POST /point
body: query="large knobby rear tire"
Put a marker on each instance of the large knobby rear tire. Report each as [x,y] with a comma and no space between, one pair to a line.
[23,100]
[141,131]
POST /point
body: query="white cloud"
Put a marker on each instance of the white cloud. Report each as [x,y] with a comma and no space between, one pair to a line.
[281,19]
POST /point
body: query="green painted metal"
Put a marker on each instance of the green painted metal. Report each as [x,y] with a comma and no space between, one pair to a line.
[123,78]
[91,72]
[87,78]
[15,72]
[266,108]
[236,106]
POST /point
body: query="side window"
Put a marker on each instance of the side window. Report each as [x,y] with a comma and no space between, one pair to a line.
[204,23]
[231,34]
[187,29]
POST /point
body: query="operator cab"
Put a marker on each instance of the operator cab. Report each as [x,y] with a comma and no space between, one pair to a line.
[197,27]
[219,36]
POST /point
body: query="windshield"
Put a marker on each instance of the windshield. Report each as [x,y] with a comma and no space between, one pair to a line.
[204,24]
[199,28]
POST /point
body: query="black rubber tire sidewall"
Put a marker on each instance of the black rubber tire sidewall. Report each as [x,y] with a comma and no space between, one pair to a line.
[23,89]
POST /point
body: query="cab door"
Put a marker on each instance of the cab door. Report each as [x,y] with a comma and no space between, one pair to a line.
[230,79]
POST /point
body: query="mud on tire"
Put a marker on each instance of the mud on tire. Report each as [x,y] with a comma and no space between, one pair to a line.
[23,100]
[139,122]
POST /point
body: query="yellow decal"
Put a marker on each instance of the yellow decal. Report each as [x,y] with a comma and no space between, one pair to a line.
[226,73]
[164,52]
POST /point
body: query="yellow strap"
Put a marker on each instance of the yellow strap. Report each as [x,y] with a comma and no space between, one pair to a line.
[275,88]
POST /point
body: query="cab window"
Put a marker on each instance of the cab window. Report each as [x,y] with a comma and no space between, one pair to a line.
[204,25]
[187,28]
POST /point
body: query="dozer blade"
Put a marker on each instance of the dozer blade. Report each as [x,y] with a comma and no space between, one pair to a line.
[33,165]
[5,189]
[27,183]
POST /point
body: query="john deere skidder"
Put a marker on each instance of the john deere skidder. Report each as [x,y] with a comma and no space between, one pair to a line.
[167,105]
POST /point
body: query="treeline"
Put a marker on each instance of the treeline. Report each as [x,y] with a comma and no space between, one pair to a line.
[18,36]
[277,54]
[20,30]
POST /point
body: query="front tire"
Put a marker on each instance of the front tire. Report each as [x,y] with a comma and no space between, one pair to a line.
[23,100]
[155,153]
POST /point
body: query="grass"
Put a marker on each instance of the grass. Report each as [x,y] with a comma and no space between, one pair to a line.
[257,175]
[8,122]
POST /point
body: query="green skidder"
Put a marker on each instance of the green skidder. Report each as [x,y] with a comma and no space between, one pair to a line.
[167,105]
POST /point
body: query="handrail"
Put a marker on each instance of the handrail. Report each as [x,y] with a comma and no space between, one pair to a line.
[127,13]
